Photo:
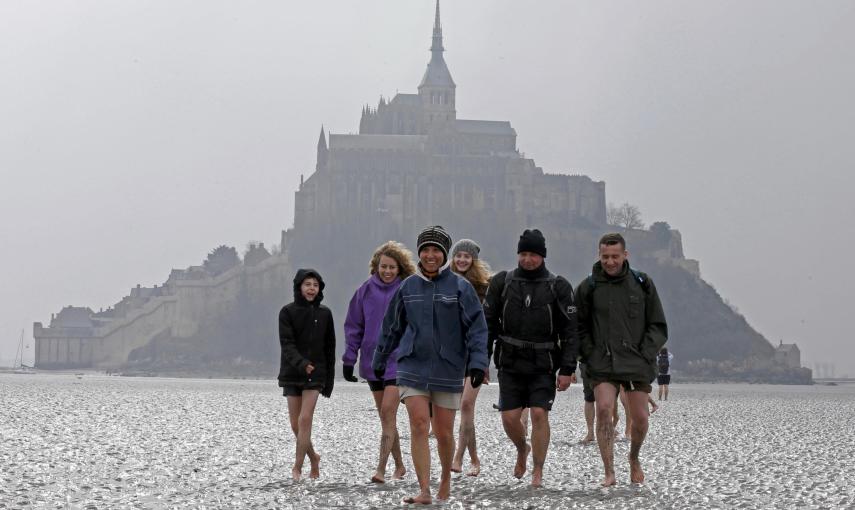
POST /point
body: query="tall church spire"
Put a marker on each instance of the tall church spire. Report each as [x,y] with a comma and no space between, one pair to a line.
[437,34]
[437,89]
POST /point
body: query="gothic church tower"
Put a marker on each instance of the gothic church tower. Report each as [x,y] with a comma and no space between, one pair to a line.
[437,89]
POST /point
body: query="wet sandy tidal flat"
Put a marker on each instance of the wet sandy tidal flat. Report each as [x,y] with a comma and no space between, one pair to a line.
[110,442]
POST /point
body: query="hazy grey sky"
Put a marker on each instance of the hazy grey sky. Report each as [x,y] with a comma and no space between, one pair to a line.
[137,136]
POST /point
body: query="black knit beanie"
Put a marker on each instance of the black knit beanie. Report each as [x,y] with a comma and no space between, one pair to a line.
[533,241]
[436,236]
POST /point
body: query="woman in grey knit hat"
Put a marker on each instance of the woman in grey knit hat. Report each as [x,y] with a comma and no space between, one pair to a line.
[466,261]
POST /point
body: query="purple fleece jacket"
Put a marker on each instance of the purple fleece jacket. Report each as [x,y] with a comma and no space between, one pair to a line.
[362,326]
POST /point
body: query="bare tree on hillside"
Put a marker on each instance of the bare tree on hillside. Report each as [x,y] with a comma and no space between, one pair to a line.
[626,215]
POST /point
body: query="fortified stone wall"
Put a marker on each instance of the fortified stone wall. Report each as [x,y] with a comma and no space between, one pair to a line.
[187,306]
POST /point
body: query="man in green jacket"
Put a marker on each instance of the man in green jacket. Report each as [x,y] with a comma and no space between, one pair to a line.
[621,329]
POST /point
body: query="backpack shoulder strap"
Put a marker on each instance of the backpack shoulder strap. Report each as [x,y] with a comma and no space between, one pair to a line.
[509,276]
[551,279]
[642,280]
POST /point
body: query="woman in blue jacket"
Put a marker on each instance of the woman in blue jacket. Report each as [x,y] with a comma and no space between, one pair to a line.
[436,323]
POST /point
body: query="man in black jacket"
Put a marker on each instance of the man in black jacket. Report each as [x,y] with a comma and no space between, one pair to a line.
[621,329]
[531,319]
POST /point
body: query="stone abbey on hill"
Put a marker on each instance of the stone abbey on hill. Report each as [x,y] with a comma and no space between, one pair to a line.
[415,161]
[412,163]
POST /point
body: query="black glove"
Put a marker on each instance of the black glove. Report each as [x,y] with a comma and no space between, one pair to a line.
[379,374]
[476,377]
[347,370]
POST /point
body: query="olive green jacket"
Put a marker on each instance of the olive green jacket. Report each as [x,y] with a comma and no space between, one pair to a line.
[621,325]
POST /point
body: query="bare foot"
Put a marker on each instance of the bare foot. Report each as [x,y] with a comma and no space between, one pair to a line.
[636,475]
[421,499]
[399,473]
[474,470]
[456,466]
[444,490]
[297,473]
[654,408]
[315,470]
[587,440]
[537,478]
[609,480]
[378,477]
[522,458]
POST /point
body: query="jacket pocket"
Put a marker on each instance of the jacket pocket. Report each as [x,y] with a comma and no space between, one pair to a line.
[634,308]
[405,348]
[452,355]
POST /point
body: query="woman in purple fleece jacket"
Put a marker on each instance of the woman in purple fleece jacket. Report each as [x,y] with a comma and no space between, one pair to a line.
[390,265]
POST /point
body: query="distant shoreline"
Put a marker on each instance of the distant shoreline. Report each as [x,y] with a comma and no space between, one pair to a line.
[272,377]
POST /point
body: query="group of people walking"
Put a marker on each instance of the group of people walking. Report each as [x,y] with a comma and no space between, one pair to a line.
[424,335]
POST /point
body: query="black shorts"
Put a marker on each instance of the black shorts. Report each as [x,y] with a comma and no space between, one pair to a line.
[526,390]
[381,385]
[587,390]
[627,385]
[296,390]
[663,379]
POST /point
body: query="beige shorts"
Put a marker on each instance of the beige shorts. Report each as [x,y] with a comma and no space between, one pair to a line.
[438,398]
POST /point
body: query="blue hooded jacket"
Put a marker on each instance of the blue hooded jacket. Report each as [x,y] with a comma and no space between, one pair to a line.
[439,330]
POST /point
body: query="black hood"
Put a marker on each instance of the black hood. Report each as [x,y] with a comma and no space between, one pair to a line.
[302,274]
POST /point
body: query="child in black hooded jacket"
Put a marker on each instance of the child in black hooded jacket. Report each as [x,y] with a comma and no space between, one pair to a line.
[307,363]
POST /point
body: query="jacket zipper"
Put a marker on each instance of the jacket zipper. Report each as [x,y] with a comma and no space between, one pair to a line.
[549,309]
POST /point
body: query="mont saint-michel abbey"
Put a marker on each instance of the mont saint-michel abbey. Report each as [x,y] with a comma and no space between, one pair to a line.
[413,163]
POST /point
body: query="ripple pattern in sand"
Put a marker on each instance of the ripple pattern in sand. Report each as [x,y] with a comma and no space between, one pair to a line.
[109,442]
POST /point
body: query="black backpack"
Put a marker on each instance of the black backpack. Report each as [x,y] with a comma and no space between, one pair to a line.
[664,364]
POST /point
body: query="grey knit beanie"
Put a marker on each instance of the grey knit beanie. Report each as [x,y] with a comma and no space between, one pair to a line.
[466,245]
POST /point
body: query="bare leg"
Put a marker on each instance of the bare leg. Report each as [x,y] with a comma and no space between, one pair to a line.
[387,406]
[653,405]
[304,434]
[419,413]
[516,433]
[661,391]
[606,401]
[466,434]
[638,404]
[666,392]
[391,401]
[539,443]
[589,423]
[615,418]
[627,432]
[294,406]
[442,424]
[524,420]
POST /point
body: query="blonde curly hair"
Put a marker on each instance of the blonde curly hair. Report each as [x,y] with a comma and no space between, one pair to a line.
[478,275]
[399,253]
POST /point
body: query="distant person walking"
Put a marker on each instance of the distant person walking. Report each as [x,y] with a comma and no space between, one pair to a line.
[389,266]
[663,362]
[532,321]
[466,261]
[436,323]
[622,327]
[307,362]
